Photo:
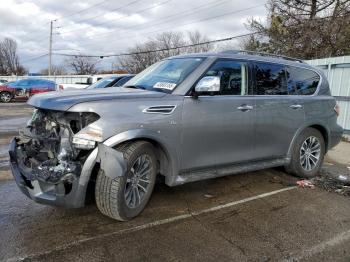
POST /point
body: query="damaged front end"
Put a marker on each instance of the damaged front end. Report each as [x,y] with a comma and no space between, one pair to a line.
[48,155]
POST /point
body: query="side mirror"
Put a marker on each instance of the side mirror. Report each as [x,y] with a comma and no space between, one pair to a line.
[208,84]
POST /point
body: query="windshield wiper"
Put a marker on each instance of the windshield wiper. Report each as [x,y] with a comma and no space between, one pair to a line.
[136,87]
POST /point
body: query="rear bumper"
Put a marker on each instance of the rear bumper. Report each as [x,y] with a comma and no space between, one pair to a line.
[66,195]
[335,136]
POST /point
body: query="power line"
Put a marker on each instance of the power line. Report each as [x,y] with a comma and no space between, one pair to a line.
[163,49]
[112,10]
[69,15]
[185,24]
[205,19]
[123,16]
[178,14]
[82,10]
[181,14]
[34,58]
[60,33]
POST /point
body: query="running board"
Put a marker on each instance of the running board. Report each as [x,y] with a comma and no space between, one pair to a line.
[201,174]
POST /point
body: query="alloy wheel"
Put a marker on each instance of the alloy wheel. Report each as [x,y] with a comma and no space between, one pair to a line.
[138,181]
[5,97]
[310,152]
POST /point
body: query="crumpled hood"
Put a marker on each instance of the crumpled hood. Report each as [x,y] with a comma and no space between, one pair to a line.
[63,100]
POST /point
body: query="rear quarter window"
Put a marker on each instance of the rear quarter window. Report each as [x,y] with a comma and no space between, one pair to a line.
[302,81]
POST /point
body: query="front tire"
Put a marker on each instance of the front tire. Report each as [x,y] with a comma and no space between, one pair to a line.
[308,154]
[125,197]
[5,97]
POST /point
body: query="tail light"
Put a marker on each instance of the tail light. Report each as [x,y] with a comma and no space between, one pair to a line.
[60,87]
[337,109]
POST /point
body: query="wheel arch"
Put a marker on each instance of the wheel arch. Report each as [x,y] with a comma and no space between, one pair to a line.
[318,126]
[166,155]
[161,153]
[324,132]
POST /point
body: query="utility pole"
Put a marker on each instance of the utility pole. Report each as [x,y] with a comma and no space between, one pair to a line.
[50,48]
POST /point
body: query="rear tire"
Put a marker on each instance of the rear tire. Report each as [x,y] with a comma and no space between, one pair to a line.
[308,154]
[5,97]
[125,197]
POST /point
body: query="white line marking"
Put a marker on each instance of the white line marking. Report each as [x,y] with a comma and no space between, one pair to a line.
[155,223]
[338,239]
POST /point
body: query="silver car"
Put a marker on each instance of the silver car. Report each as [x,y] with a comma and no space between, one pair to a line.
[186,118]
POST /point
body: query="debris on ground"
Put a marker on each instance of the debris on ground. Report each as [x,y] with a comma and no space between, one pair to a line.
[208,195]
[284,180]
[337,181]
[305,184]
[344,179]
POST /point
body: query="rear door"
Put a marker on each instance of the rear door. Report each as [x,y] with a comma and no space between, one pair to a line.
[217,128]
[305,82]
[279,110]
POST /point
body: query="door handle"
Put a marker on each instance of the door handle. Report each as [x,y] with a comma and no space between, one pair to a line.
[296,106]
[245,108]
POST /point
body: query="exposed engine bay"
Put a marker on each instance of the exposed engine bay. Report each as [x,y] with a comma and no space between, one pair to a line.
[45,149]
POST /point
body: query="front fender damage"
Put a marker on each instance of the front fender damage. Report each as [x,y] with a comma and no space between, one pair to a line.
[111,161]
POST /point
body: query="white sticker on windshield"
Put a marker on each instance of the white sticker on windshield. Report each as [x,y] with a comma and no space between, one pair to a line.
[165,85]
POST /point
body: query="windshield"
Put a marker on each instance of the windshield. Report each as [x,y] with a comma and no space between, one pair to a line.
[165,75]
[102,83]
[122,81]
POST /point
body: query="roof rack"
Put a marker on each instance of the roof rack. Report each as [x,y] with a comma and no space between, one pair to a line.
[261,54]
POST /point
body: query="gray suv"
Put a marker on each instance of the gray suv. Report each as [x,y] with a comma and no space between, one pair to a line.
[187,118]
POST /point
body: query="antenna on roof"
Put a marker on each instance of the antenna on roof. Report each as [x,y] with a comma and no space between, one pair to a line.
[246,52]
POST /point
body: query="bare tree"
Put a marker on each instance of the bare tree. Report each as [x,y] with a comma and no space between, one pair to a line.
[303,28]
[168,42]
[162,46]
[9,61]
[140,58]
[83,65]
[55,70]
[196,38]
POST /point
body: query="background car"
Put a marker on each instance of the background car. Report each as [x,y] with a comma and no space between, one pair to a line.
[111,81]
[122,81]
[25,88]
[80,85]
[2,82]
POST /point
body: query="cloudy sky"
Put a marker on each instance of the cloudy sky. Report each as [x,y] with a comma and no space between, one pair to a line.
[97,27]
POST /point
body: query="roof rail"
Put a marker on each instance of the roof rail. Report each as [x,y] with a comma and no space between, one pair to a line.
[261,54]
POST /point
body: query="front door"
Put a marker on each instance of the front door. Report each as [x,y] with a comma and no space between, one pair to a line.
[217,128]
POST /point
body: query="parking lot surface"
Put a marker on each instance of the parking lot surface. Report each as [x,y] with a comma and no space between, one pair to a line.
[257,216]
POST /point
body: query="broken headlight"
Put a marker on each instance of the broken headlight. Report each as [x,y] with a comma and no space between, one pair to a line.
[87,138]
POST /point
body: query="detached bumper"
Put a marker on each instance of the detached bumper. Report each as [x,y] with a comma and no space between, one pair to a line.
[62,194]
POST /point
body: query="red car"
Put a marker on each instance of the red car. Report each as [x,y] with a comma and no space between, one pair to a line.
[25,88]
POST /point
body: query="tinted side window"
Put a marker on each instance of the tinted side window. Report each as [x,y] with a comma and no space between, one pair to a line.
[302,81]
[270,79]
[233,76]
